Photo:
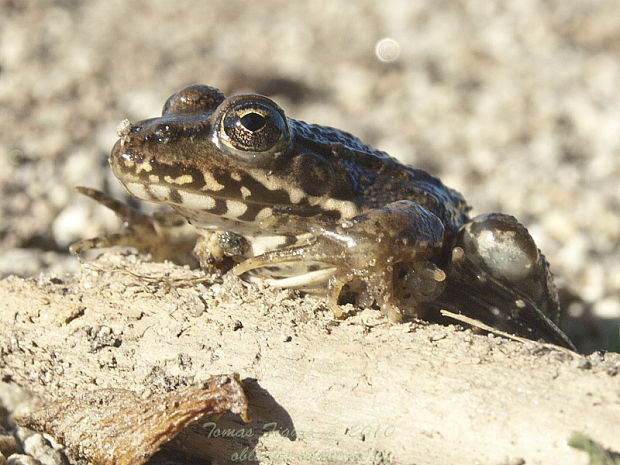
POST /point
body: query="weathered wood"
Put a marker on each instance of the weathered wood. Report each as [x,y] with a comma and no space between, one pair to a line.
[360,390]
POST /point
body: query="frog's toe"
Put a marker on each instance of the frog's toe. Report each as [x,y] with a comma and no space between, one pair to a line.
[97,243]
[423,281]
[334,288]
[296,268]
[127,214]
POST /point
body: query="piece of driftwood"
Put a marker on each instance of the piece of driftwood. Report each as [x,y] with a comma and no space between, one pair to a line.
[118,427]
[318,390]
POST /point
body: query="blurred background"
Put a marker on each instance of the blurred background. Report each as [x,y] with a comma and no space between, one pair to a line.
[516,104]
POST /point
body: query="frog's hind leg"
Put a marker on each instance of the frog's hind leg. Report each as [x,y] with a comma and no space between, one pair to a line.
[297,267]
[308,268]
[302,267]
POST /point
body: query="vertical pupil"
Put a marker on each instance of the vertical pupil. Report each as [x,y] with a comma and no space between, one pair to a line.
[253,121]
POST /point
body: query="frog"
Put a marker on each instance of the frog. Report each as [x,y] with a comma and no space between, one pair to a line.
[311,207]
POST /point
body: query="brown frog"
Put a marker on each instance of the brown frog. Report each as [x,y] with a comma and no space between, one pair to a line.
[306,206]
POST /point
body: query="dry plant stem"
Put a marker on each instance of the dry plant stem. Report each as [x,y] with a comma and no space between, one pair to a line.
[119,427]
[480,325]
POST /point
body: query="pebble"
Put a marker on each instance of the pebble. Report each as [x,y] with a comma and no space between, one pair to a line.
[21,459]
[581,363]
[9,444]
[37,446]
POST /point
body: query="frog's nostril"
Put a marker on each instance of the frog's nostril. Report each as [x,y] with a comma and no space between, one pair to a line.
[253,121]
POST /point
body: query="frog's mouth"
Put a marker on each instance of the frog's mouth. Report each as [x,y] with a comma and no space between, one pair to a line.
[202,194]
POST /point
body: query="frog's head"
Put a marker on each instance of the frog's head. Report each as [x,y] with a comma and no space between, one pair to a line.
[238,158]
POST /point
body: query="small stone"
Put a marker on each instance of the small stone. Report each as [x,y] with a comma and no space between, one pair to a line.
[582,363]
[23,433]
[20,459]
[285,338]
[515,461]
[9,444]
[52,442]
[103,336]
[70,224]
[37,446]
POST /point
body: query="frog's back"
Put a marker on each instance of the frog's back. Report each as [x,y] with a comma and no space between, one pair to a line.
[377,179]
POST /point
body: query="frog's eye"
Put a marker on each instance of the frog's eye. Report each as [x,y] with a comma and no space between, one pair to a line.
[192,99]
[251,125]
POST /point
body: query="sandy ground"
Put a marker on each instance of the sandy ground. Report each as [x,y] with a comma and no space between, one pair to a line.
[515,104]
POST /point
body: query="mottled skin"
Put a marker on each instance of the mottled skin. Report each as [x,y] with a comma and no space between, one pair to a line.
[312,207]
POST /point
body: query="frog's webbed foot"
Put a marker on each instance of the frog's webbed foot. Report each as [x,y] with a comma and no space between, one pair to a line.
[387,249]
[164,235]
[499,276]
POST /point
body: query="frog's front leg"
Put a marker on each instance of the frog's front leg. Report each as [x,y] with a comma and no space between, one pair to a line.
[387,249]
[497,274]
[166,235]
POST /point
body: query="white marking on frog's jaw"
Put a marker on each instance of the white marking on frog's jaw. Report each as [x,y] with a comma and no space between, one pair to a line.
[180,180]
[161,193]
[245,192]
[273,183]
[235,176]
[235,208]
[153,178]
[137,190]
[197,201]
[346,208]
[210,183]
[138,167]
[296,195]
[264,214]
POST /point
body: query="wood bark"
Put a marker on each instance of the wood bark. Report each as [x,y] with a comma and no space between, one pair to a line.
[318,390]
